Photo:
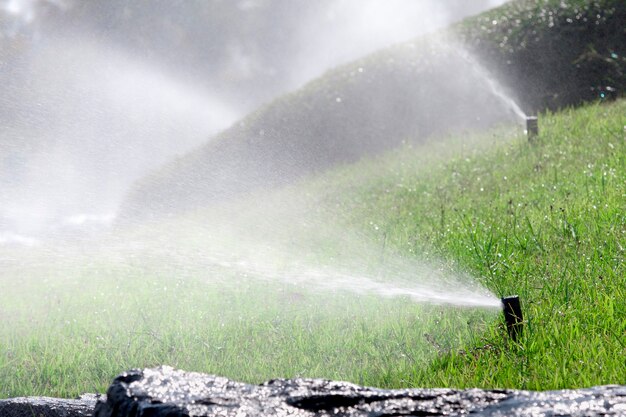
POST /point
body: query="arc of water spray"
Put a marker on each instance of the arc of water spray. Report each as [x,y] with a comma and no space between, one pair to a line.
[423,287]
[494,86]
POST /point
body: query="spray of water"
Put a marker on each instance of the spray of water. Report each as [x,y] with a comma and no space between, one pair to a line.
[125,117]
[492,84]
[403,278]
[345,30]
[92,118]
[25,14]
[291,236]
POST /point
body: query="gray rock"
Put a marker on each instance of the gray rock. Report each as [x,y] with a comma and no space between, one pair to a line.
[168,392]
[49,407]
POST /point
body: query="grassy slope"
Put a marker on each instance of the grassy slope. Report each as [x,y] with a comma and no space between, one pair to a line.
[547,221]
[552,53]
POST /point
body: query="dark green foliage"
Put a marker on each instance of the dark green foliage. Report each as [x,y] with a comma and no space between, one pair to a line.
[554,53]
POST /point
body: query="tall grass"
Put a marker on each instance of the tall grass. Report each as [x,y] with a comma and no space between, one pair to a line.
[545,220]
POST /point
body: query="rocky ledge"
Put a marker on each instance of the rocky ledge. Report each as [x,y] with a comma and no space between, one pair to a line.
[49,407]
[168,392]
[164,391]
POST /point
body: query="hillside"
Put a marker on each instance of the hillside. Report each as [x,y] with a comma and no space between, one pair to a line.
[550,53]
[544,220]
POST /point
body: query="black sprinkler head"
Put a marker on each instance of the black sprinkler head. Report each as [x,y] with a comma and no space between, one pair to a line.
[532,127]
[513,316]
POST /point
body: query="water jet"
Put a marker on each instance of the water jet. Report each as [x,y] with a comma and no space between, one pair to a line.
[513,315]
[532,127]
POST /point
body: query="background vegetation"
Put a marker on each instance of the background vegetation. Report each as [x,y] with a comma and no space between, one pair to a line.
[556,53]
[551,54]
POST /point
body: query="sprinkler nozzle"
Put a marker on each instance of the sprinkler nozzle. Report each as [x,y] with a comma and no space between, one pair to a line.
[513,316]
[532,127]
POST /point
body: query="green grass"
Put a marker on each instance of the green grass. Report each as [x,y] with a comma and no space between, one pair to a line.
[545,220]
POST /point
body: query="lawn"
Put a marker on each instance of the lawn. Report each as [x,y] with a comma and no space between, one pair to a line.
[220,290]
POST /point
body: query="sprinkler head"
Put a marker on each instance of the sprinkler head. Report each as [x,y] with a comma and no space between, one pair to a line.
[512,315]
[532,127]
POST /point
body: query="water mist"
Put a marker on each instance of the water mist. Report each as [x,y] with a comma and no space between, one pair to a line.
[97,96]
[494,86]
[291,237]
[89,120]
